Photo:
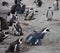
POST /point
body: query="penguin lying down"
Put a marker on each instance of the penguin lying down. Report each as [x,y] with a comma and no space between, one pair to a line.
[3,36]
[17,29]
[15,46]
[30,14]
[35,38]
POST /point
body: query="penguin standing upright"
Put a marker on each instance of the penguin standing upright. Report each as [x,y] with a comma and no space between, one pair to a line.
[49,14]
[9,17]
[38,3]
[14,46]
[56,5]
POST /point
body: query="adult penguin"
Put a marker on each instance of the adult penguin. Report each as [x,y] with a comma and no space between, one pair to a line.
[35,38]
[29,14]
[3,36]
[14,46]
[39,3]
[49,14]
[56,5]
[4,3]
[17,29]
[13,8]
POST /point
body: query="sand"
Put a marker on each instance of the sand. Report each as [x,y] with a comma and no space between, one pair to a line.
[51,42]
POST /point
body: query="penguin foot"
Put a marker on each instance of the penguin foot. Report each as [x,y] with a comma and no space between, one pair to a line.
[49,20]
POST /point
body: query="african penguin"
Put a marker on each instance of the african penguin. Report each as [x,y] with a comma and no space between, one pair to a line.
[9,16]
[13,9]
[56,5]
[17,29]
[49,14]
[35,38]
[38,3]
[43,32]
[3,36]
[14,46]
[4,3]
[29,14]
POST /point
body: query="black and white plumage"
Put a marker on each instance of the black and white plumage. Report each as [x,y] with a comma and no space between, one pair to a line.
[17,29]
[4,3]
[56,5]
[35,38]
[49,14]
[13,9]
[29,14]
[44,31]
[13,20]
[3,36]
[38,3]
[15,46]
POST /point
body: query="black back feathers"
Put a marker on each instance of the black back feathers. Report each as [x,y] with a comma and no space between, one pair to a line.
[14,46]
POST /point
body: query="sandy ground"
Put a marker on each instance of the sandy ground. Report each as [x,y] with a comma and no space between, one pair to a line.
[51,42]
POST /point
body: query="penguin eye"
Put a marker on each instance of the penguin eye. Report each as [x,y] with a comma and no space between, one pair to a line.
[47,30]
[21,39]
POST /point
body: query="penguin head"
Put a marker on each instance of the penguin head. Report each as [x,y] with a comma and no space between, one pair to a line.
[45,30]
[50,8]
[8,13]
[21,40]
[31,8]
[6,34]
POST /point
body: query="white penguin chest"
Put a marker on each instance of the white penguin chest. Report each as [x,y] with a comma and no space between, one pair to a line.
[55,3]
[50,14]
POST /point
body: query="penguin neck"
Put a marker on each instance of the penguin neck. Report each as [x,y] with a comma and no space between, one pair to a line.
[44,32]
[20,41]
